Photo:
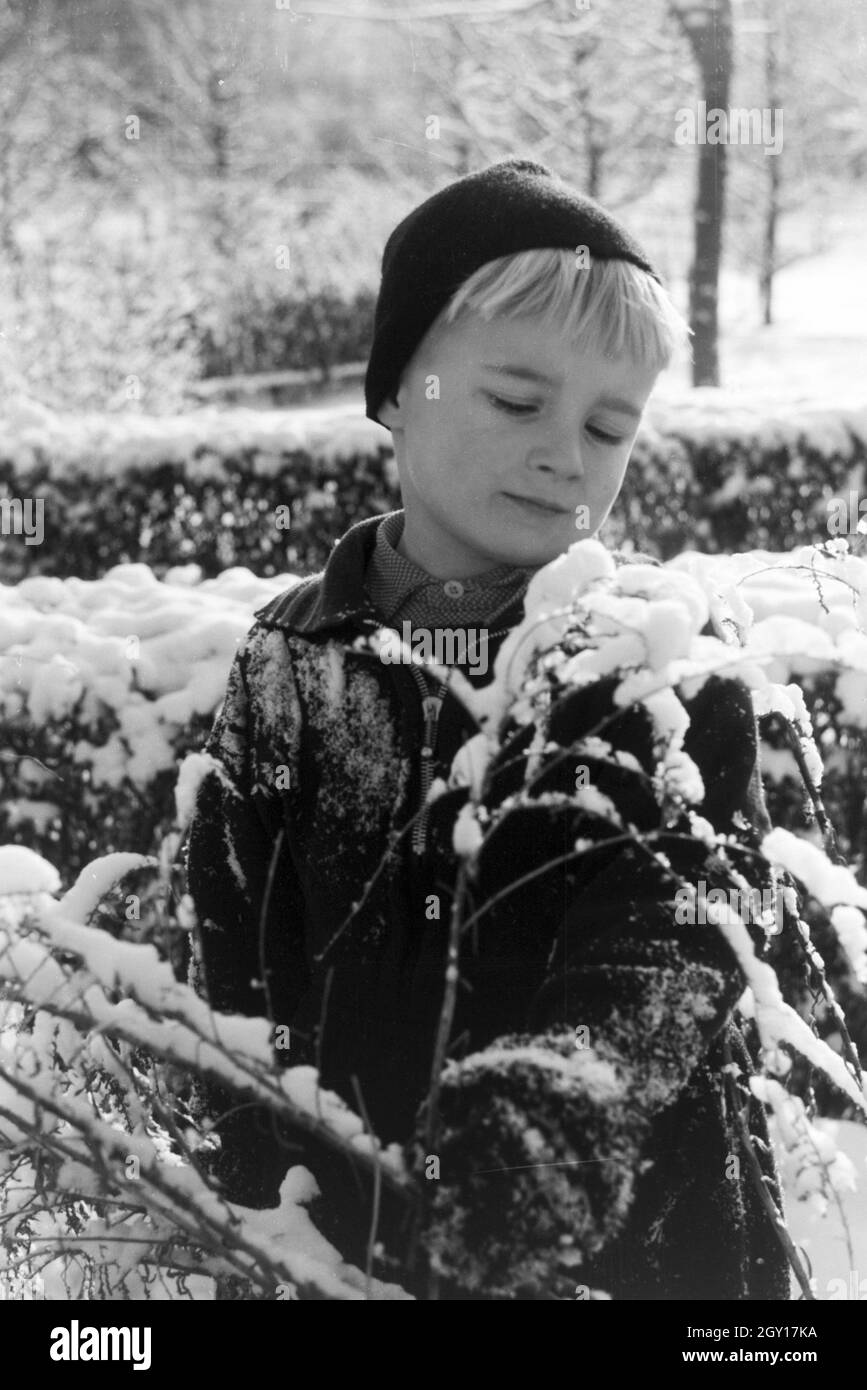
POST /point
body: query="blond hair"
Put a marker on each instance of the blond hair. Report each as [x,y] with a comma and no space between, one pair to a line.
[610,306]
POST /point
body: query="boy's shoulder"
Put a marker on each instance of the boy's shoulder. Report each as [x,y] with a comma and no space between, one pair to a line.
[333,597]
[293,606]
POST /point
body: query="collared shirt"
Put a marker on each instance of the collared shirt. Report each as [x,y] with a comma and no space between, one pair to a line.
[402,591]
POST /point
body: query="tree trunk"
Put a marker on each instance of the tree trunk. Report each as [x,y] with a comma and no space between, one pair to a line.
[773,173]
[708,27]
[595,151]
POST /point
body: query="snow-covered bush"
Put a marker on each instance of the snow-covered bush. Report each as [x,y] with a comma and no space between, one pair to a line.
[642,632]
[102,1195]
[804,612]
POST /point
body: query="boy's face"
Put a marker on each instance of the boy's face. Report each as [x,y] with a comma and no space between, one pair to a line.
[502,429]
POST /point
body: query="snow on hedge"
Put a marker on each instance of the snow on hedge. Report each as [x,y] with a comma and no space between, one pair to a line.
[711,416]
[150,653]
[105,445]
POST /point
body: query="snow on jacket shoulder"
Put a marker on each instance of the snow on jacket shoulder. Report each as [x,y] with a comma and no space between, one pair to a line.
[316,911]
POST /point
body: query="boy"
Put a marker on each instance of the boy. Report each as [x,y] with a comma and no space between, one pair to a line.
[519,331]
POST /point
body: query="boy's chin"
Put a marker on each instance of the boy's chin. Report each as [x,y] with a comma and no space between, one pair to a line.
[533,553]
[528,557]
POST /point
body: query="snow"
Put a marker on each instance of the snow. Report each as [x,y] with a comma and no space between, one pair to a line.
[786,700]
[471,763]
[778,617]
[288,1226]
[702,829]
[596,1077]
[134,658]
[823,1236]
[97,446]
[833,885]
[849,924]
[301,1086]
[24,871]
[777,1022]
[568,576]
[596,803]
[647,620]
[193,771]
[438,788]
[467,835]
[680,776]
[39,814]
[829,883]
[97,879]
[816,1167]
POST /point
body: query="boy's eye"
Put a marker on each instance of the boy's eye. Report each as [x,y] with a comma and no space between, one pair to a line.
[528,407]
[604,436]
[511,407]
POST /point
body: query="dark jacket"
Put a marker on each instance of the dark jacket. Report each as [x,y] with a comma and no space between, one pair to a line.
[321,742]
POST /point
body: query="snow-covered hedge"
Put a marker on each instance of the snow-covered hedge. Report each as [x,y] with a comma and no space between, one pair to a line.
[272,490]
[755,476]
[104,686]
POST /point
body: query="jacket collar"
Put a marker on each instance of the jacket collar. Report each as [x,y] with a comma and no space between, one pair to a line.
[334,597]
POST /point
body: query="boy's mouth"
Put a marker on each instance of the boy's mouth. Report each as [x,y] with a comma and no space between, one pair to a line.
[542,508]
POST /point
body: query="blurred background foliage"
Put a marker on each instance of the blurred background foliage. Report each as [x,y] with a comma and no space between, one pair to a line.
[203,188]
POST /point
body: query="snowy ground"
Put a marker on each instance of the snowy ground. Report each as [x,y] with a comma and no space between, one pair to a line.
[817,347]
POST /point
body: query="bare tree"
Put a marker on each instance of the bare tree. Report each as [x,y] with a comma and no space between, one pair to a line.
[48,137]
[825,141]
[579,89]
[708,27]
[774,169]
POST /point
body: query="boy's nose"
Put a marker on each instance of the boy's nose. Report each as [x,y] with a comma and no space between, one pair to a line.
[562,456]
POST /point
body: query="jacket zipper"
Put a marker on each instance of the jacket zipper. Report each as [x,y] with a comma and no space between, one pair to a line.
[431,708]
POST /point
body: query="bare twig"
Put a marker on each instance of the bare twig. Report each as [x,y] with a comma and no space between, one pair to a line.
[447,1013]
[774,1216]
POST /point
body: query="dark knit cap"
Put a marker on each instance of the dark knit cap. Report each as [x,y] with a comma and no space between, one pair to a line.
[514,205]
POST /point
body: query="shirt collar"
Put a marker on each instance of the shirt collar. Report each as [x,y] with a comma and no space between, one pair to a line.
[338,595]
[392,578]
